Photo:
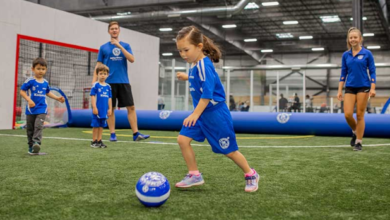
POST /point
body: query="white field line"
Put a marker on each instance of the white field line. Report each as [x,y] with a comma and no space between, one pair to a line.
[205,145]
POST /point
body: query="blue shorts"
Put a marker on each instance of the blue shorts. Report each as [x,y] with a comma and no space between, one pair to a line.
[98,122]
[215,124]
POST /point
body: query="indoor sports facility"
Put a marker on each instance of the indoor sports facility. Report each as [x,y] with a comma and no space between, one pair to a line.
[280,70]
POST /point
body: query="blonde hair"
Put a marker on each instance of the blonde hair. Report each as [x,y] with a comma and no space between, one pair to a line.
[196,37]
[112,23]
[356,30]
[102,67]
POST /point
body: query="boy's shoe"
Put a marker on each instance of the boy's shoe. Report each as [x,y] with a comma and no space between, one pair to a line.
[358,147]
[190,180]
[140,137]
[102,145]
[30,151]
[353,140]
[95,144]
[36,148]
[252,182]
[113,137]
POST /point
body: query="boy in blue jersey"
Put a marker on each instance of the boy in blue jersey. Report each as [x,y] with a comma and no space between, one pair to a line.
[359,86]
[101,105]
[115,55]
[211,117]
[34,90]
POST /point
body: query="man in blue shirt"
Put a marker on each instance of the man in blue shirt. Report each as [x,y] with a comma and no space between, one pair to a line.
[115,55]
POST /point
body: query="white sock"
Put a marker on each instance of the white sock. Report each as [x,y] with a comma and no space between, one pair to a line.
[354,132]
[359,141]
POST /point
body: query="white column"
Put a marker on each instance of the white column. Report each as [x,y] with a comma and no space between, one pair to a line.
[228,88]
[277,91]
[304,92]
[270,97]
[251,93]
[331,105]
[173,76]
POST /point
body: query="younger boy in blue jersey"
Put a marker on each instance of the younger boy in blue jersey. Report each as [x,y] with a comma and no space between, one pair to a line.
[211,118]
[34,90]
[101,105]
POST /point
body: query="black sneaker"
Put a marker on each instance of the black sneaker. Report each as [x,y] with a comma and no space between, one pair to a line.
[358,147]
[95,144]
[353,140]
[102,145]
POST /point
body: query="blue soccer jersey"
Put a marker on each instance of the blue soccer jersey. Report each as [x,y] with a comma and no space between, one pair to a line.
[112,56]
[204,83]
[103,94]
[37,92]
[354,69]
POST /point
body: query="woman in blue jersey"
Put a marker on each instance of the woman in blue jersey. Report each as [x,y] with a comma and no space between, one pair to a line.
[211,118]
[359,86]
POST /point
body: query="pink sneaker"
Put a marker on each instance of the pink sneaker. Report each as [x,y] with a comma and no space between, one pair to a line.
[190,180]
[252,182]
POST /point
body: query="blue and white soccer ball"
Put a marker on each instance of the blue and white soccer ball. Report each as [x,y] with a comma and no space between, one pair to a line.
[152,189]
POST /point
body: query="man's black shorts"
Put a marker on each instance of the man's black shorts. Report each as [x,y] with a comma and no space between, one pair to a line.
[122,92]
[355,91]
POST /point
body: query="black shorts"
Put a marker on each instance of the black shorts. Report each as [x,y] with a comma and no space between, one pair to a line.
[351,90]
[122,92]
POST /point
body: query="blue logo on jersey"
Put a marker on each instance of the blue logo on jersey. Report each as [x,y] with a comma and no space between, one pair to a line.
[116,51]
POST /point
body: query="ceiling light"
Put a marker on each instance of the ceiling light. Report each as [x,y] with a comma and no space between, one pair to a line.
[330,18]
[229,26]
[364,19]
[250,40]
[165,29]
[318,49]
[123,13]
[167,54]
[251,5]
[284,35]
[373,47]
[265,4]
[267,51]
[368,34]
[305,37]
[290,22]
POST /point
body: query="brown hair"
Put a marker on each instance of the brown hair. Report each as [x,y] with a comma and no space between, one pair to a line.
[112,23]
[349,31]
[39,61]
[102,67]
[196,37]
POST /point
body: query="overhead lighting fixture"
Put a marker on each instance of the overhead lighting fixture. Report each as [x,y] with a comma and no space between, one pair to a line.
[229,26]
[251,5]
[290,22]
[364,19]
[165,29]
[285,35]
[266,4]
[167,54]
[123,13]
[250,40]
[267,51]
[373,47]
[368,34]
[305,37]
[318,49]
[330,18]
